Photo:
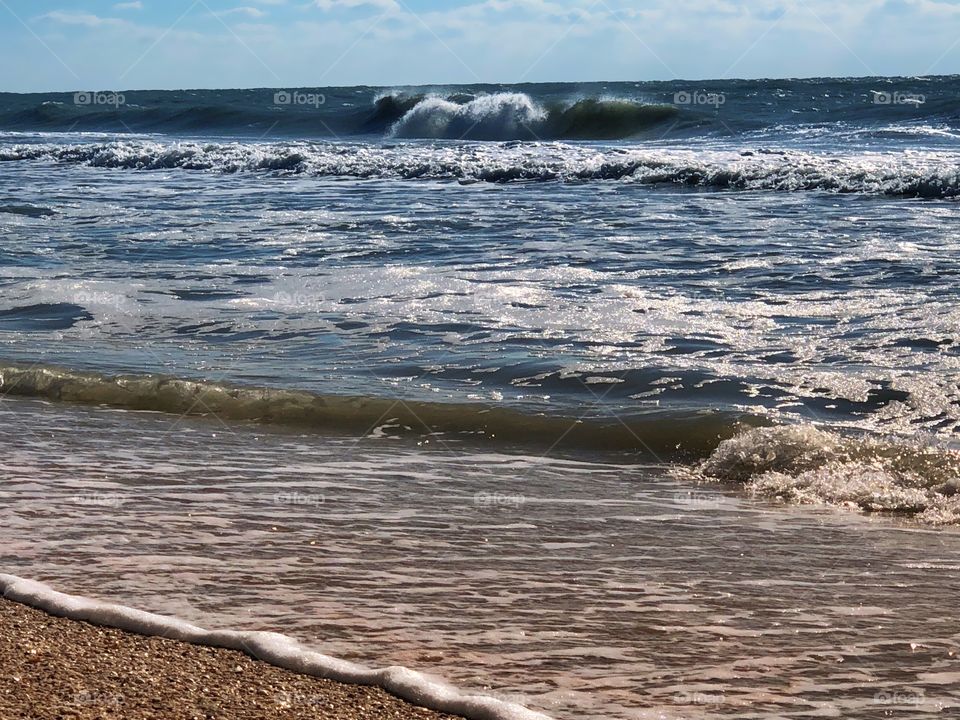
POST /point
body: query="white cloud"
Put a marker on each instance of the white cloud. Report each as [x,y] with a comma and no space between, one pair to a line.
[251,12]
[337,41]
[136,5]
[383,5]
[84,19]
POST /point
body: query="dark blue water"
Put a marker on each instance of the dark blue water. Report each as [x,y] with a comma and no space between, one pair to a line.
[882,108]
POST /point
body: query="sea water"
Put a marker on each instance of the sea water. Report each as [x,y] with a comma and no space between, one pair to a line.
[618,401]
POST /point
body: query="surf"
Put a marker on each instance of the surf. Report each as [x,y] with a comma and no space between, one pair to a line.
[657,435]
[931,174]
[806,464]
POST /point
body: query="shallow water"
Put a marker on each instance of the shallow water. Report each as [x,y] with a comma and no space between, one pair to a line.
[581,587]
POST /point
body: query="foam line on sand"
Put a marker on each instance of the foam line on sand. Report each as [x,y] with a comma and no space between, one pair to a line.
[272,648]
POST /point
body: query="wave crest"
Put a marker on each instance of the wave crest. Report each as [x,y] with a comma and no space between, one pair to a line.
[680,434]
[504,116]
[804,464]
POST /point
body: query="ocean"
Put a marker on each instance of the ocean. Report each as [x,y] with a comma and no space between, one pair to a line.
[611,400]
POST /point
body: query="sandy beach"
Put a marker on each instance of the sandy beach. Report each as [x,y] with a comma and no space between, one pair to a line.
[56,668]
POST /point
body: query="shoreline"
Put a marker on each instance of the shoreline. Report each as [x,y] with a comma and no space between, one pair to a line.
[67,656]
[55,668]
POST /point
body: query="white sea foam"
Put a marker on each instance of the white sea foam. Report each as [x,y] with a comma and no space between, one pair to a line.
[922,174]
[273,648]
[804,464]
[500,116]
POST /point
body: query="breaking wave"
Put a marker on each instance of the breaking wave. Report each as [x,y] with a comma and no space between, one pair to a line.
[492,117]
[793,463]
[804,464]
[511,116]
[660,435]
[923,175]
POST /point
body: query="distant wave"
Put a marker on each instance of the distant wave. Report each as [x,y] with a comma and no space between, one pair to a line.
[511,116]
[915,174]
[176,118]
[552,111]
[662,435]
[482,116]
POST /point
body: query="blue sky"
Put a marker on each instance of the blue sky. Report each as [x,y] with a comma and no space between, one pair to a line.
[103,45]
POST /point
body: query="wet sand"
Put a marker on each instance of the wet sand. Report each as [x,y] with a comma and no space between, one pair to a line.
[55,669]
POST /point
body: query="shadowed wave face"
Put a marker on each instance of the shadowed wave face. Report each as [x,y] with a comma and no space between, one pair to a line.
[656,435]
